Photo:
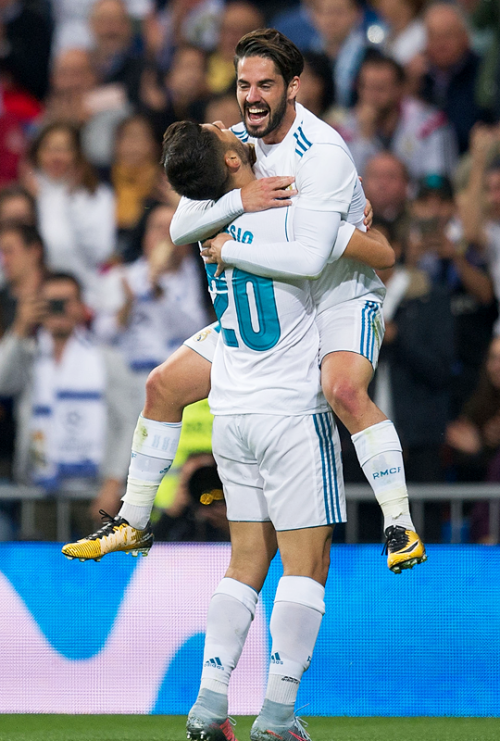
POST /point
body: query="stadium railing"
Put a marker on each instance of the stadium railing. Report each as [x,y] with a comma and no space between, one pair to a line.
[455,494]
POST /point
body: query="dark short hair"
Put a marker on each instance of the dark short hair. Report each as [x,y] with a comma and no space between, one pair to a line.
[17,191]
[29,234]
[271,44]
[59,277]
[193,158]
[375,59]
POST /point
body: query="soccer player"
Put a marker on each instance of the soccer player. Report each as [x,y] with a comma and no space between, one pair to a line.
[348,295]
[275,442]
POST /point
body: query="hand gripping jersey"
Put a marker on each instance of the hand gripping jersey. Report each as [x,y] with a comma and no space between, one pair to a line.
[308,152]
[267,361]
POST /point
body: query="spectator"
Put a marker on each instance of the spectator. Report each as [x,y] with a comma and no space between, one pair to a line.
[18,206]
[181,94]
[474,436]
[451,70]
[297,24]
[386,183]
[76,213]
[415,366]
[71,18]
[158,300]
[134,175]
[437,245]
[479,202]
[406,31]
[192,22]
[317,90]
[21,253]
[239,18]
[198,512]
[342,39]
[75,97]
[74,414]
[26,32]
[223,108]
[384,118]
[114,58]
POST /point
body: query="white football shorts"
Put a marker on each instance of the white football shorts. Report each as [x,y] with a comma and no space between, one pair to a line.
[286,470]
[204,342]
[356,326]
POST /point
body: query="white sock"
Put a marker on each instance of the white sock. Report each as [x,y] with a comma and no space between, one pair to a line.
[379,454]
[153,449]
[230,614]
[295,621]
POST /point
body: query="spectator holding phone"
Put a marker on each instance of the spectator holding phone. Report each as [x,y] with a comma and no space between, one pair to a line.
[74,407]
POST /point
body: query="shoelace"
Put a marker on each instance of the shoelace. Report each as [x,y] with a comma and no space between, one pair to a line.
[105,528]
[302,725]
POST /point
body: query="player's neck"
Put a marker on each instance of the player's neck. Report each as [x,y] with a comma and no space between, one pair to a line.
[241,178]
[278,134]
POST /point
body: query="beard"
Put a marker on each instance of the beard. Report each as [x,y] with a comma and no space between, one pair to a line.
[274,119]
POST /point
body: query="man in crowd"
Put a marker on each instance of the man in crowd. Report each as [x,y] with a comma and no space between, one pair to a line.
[384,118]
[74,400]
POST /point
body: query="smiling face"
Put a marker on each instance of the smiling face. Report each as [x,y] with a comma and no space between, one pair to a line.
[267,105]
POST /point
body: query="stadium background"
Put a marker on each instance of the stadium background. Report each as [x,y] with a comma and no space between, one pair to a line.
[126,635]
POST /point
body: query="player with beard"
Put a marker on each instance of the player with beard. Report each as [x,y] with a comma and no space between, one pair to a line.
[274,440]
[348,295]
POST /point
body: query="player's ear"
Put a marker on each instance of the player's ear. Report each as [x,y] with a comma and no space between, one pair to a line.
[293,88]
[232,160]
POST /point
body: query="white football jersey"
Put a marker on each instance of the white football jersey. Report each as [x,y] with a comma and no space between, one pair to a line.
[343,279]
[266,361]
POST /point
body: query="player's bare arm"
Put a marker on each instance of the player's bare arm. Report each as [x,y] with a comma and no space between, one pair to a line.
[372,248]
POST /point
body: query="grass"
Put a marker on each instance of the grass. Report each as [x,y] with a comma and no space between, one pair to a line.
[171,728]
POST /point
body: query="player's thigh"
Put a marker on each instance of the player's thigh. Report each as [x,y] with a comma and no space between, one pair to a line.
[253,547]
[300,462]
[182,379]
[238,472]
[306,552]
[355,326]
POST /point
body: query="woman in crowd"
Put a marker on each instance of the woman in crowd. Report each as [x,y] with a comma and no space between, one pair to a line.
[76,212]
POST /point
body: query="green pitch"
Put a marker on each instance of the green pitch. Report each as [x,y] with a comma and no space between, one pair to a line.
[171,728]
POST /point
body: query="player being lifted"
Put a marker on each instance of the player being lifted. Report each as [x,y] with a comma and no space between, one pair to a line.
[348,296]
[275,442]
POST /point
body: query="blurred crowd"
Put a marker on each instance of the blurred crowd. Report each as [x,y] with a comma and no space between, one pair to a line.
[94,294]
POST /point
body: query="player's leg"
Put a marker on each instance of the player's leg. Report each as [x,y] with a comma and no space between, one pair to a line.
[304,490]
[233,605]
[181,380]
[351,336]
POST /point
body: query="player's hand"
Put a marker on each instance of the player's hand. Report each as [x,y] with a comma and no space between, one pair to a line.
[212,252]
[275,192]
[368,220]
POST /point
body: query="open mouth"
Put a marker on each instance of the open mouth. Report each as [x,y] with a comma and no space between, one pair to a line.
[256,114]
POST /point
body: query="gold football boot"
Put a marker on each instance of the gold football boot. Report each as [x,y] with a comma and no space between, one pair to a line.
[115,535]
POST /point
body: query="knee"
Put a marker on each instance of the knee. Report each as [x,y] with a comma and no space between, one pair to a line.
[346,397]
[156,384]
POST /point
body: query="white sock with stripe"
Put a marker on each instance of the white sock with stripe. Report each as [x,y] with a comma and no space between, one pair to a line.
[295,621]
[230,614]
[379,453]
[154,446]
